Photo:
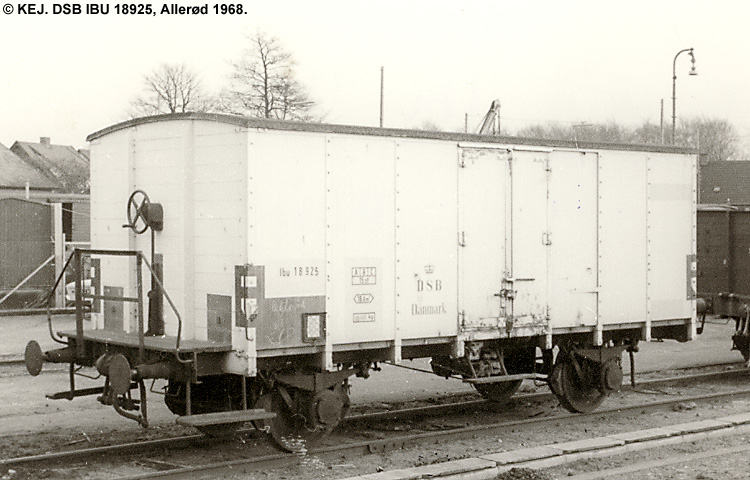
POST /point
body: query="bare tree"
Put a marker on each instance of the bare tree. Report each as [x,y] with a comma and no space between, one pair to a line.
[428,126]
[264,85]
[550,131]
[586,132]
[648,133]
[171,89]
[715,137]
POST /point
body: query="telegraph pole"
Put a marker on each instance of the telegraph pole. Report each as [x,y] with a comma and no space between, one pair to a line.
[661,121]
[381,97]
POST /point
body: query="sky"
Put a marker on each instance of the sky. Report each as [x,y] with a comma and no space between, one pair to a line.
[565,61]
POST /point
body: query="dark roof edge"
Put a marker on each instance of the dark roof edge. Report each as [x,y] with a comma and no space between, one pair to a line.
[261,123]
[31,188]
[718,207]
[38,195]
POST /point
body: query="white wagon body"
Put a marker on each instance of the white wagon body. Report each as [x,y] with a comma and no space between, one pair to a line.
[396,240]
[293,256]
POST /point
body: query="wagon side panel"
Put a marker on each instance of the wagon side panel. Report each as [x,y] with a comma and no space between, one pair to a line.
[530,241]
[739,257]
[426,240]
[671,237]
[219,218]
[360,238]
[112,177]
[573,239]
[484,255]
[163,161]
[623,247]
[286,233]
[109,190]
[171,162]
[714,261]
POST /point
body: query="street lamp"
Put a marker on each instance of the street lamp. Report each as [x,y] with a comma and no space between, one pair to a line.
[674,85]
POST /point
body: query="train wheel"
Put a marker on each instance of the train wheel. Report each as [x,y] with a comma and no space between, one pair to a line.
[290,430]
[499,392]
[575,394]
[328,407]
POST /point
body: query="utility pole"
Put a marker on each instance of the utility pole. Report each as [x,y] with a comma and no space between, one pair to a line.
[381,97]
[674,86]
[661,121]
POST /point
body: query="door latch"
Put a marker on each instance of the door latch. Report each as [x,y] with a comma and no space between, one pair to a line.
[506,293]
[546,238]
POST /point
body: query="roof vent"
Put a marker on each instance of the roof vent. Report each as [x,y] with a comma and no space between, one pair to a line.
[44,141]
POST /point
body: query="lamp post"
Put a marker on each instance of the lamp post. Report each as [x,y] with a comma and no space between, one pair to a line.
[674,85]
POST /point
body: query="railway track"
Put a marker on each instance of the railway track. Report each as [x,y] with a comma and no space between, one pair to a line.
[394,440]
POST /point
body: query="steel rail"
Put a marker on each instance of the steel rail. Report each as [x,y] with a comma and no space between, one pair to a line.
[77,455]
[437,409]
[335,453]
[284,459]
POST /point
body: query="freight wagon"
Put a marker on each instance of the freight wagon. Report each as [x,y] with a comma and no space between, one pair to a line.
[723,263]
[283,258]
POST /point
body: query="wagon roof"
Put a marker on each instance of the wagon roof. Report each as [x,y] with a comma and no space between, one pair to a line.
[261,123]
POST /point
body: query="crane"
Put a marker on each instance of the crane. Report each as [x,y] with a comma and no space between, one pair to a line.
[491,122]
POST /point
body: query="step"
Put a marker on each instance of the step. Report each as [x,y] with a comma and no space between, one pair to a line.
[501,378]
[221,418]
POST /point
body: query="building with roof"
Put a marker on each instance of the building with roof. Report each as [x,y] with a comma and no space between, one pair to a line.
[17,175]
[726,182]
[61,163]
[44,204]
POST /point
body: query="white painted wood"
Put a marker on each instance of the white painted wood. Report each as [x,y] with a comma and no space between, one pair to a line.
[59,245]
[372,227]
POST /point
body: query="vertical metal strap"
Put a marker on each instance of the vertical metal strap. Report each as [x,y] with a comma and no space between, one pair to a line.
[156,297]
[646,330]
[730,255]
[599,335]
[80,347]
[244,392]
[139,283]
[144,402]
[96,284]
[72,380]
[240,295]
[188,403]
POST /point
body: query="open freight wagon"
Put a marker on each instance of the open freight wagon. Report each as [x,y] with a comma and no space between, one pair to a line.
[723,266]
[282,258]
